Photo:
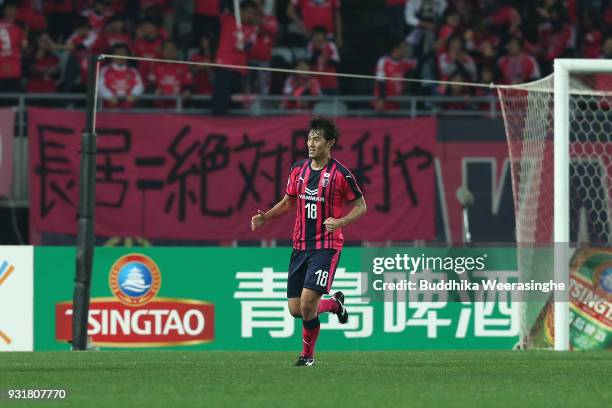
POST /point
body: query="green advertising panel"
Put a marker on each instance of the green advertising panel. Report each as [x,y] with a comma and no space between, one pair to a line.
[234,299]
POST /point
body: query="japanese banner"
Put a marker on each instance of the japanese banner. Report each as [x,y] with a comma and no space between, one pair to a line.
[7,127]
[202,178]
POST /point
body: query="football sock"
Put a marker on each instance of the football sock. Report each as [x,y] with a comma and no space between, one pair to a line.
[310,333]
[328,305]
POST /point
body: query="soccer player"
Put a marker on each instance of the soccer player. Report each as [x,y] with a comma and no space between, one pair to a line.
[318,187]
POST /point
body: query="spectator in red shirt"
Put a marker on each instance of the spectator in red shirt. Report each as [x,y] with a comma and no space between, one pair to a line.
[171,79]
[97,15]
[503,17]
[590,35]
[202,75]
[452,19]
[42,66]
[260,53]
[485,47]
[392,65]
[30,16]
[518,67]
[120,85]
[232,51]
[298,85]
[83,35]
[455,59]
[324,57]
[114,33]
[313,13]
[12,41]
[206,22]
[148,44]
[556,42]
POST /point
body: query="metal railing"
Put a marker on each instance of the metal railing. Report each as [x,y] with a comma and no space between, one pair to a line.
[262,105]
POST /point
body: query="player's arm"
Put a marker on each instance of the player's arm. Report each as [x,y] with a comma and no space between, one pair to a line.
[279,209]
[359,208]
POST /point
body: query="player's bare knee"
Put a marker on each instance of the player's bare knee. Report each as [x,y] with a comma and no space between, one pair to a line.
[309,310]
[294,308]
[297,313]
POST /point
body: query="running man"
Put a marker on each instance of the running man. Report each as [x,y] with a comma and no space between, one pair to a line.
[320,186]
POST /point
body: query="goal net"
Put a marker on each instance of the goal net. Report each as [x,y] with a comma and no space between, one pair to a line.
[584,209]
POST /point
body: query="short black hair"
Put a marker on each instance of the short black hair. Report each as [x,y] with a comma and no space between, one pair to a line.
[325,125]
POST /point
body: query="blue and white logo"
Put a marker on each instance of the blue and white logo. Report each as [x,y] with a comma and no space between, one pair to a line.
[605,279]
[135,279]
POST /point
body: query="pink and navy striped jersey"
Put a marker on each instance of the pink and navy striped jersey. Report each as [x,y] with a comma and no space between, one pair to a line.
[320,194]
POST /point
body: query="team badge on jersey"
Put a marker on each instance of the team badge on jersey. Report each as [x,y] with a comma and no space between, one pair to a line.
[325,182]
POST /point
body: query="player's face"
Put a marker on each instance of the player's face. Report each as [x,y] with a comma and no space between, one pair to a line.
[318,146]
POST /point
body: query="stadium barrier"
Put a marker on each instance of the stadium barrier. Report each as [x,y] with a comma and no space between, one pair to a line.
[234,299]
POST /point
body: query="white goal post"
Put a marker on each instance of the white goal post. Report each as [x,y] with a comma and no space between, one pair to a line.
[559,135]
[561,79]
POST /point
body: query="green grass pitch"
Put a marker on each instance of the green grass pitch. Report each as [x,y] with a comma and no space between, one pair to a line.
[342,379]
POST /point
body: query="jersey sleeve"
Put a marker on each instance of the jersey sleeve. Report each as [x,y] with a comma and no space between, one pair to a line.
[138,87]
[291,190]
[349,188]
[103,85]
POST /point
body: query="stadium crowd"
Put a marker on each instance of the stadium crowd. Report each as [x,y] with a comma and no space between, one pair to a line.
[44,46]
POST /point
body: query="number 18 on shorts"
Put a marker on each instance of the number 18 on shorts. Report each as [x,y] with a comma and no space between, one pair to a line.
[312,269]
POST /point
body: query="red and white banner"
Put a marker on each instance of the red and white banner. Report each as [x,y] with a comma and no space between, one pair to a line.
[202,178]
[7,129]
[163,322]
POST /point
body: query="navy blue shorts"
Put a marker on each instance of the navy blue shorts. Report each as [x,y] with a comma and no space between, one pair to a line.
[312,269]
